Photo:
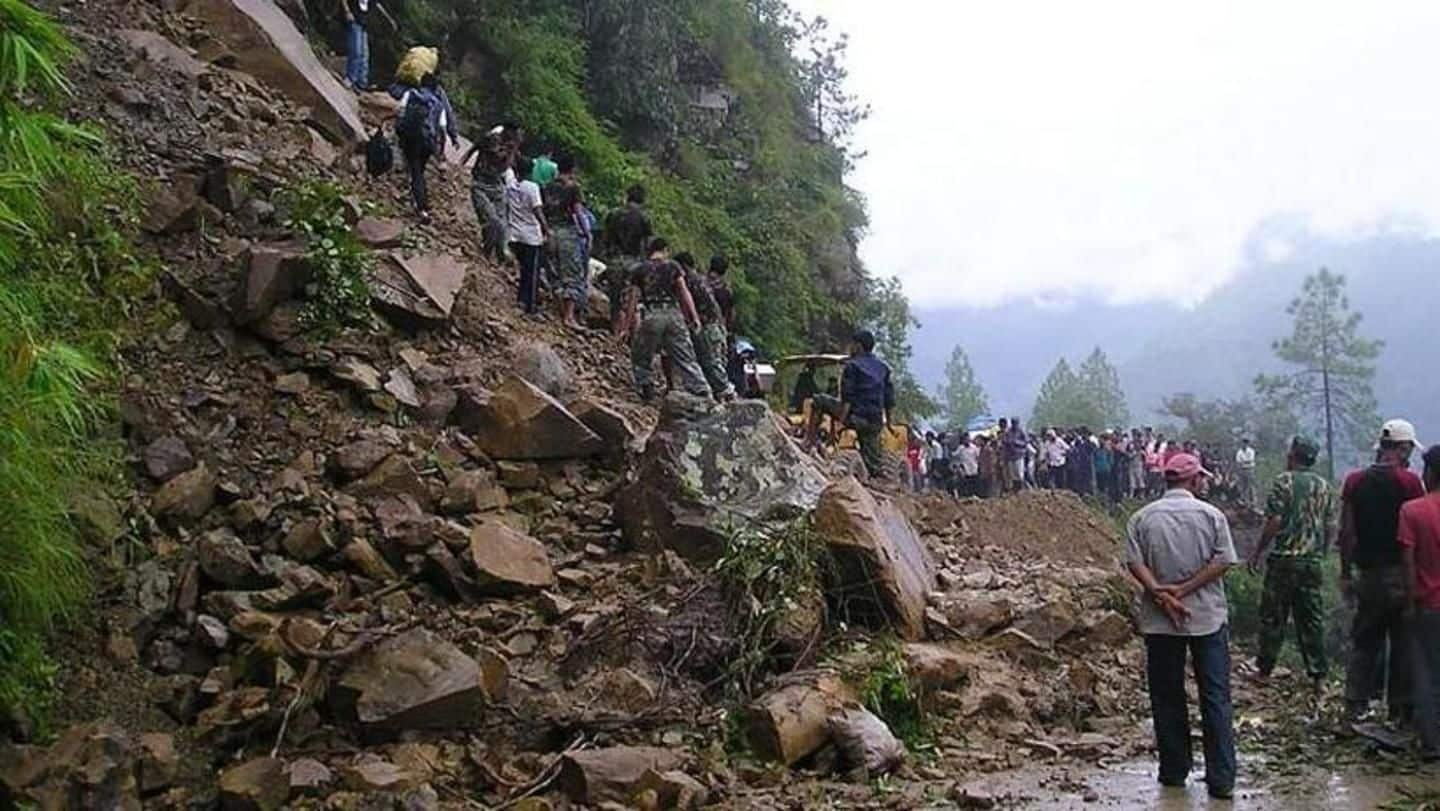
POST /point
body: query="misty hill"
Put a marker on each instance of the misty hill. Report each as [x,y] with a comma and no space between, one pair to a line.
[1216,348]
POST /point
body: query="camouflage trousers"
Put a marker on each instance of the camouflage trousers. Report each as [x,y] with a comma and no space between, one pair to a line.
[710,352]
[663,329]
[617,278]
[572,267]
[1293,586]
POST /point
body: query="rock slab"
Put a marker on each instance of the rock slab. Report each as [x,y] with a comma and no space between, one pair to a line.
[518,421]
[708,468]
[412,681]
[884,570]
[266,44]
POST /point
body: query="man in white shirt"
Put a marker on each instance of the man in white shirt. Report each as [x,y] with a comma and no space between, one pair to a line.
[1245,472]
[966,462]
[1055,450]
[528,232]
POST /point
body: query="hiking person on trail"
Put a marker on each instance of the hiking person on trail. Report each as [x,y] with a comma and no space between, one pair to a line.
[492,174]
[720,289]
[425,120]
[627,232]
[1179,548]
[1369,524]
[528,231]
[568,242]
[1300,520]
[867,396]
[709,340]
[1419,537]
[357,40]
[1245,472]
[666,325]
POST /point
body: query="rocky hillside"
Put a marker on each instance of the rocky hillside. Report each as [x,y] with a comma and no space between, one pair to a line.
[433,555]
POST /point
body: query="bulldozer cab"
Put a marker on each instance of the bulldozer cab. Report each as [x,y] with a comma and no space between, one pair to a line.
[802,377]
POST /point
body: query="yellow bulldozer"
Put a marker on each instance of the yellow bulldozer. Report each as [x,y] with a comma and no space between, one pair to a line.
[799,405]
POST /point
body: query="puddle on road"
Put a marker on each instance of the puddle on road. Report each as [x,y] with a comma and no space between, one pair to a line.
[1133,785]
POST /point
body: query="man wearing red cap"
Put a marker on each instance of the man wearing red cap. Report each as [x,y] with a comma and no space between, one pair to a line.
[1179,548]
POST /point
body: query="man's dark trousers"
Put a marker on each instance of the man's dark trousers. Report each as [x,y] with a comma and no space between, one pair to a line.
[1425,658]
[1380,618]
[1165,671]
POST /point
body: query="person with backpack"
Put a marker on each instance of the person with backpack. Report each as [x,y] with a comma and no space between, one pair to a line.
[357,40]
[426,119]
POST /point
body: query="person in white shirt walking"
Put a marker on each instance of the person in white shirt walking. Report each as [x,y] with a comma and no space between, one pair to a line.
[1245,473]
[528,232]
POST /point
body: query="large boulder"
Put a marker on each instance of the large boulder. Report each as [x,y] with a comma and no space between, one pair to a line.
[708,468]
[594,776]
[884,571]
[270,274]
[417,292]
[507,561]
[412,681]
[793,720]
[267,45]
[519,421]
[541,365]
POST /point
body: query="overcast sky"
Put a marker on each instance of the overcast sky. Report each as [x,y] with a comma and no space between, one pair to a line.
[1129,149]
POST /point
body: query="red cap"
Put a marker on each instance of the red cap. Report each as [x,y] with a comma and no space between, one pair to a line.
[1183,467]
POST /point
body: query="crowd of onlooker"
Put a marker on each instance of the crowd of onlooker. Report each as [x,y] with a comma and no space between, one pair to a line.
[1112,465]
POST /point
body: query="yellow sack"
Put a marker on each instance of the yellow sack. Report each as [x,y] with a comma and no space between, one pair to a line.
[417,62]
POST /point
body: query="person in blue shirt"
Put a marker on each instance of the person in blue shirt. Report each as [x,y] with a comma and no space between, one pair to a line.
[867,396]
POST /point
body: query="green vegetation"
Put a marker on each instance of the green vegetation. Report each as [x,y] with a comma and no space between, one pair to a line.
[962,398]
[768,574]
[886,691]
[1090,397]
[65,269]
[755,172]
[339,290]
[1331,384]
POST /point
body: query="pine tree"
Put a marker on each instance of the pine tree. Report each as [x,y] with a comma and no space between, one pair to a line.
[1336,366]
[962,398]
[1102,398]
[1059,395]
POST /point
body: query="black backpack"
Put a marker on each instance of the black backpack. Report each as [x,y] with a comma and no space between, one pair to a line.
[418,121]
[379,155]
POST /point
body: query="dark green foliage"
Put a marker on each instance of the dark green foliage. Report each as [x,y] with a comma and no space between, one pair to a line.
[767,572]
[1330,385]
[962,398]
[339,290]
[886,691]
[65,271]
[1091,397]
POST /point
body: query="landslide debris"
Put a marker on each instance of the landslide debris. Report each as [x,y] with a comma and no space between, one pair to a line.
[441,557]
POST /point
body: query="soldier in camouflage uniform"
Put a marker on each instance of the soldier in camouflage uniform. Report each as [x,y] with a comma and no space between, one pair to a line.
[666,324]
[627,232]
[710,350]
[1301,518]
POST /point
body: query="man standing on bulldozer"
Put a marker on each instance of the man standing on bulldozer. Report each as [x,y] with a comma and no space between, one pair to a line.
[867,396]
